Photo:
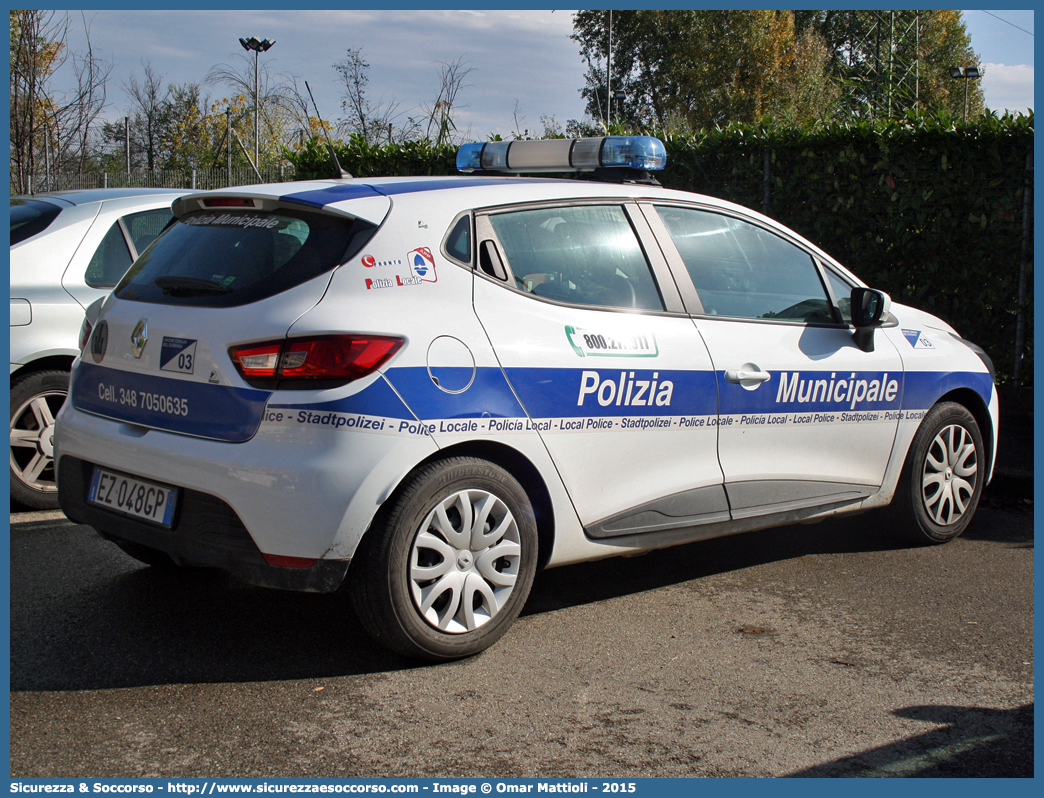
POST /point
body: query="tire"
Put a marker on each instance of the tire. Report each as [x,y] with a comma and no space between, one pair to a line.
[147,555]
[35,401]
[435,578]
[942,479]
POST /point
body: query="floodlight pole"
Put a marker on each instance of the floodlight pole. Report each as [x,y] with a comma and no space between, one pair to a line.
[965,74]
[258,46]
[257,127]
[609,78]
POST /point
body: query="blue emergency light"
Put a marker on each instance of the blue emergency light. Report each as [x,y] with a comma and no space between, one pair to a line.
[563,155]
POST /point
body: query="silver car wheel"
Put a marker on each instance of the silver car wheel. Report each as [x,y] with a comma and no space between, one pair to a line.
[949,475]
[464,561]
[32,440]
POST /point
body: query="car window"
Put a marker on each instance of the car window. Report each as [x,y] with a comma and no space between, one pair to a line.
[219,258]
[143,228]
[458,242]
[842,293]
[745,271]
[29,217]
[111,259]
[585,255]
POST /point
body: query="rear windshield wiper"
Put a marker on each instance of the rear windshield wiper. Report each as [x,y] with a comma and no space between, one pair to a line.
[190,286]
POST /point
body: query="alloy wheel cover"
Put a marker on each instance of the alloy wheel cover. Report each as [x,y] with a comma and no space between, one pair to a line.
[949,476]
[464,561]
[32,446]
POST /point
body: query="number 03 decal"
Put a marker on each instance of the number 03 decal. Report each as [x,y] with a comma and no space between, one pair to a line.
[178,354]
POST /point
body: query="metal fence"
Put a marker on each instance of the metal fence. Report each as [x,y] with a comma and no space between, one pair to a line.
[192,179]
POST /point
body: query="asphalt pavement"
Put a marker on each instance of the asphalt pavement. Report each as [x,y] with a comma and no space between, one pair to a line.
[818,650]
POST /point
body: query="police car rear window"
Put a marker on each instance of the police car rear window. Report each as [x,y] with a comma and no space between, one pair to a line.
[219,258]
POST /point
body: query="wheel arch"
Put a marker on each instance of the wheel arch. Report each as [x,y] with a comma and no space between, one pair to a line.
[53,362]
[975,404]
[521,468]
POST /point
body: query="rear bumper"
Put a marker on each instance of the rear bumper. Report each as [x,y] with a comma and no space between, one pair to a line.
[206,532]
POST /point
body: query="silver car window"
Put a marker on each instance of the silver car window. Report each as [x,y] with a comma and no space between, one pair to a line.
[584,255]
[745,271]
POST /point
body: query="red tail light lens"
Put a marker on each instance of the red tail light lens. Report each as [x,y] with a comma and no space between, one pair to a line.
[340,357]
[85,334]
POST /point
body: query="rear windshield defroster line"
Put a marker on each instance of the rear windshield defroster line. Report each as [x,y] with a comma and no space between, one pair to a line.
[225,258]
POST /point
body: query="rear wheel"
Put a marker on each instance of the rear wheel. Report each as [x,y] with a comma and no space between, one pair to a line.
[36,399]
[448,563]
[943,476]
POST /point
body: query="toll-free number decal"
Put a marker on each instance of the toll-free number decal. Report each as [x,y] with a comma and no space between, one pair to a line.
[595,343]
[178,354]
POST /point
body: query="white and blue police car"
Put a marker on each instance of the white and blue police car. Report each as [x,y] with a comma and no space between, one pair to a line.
[428,388]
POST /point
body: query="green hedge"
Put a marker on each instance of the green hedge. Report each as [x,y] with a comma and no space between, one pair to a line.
[360,159]
[928,210]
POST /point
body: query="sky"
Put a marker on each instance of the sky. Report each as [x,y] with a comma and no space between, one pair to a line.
[524,65]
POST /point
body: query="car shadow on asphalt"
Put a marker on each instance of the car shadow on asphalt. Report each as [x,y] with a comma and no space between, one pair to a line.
[965,741]
[867,532]
[98,620]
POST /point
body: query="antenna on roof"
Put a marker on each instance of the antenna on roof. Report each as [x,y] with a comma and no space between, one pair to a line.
[337,164]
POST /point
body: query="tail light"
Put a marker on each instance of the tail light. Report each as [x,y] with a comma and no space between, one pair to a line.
[85,334]
[339,358]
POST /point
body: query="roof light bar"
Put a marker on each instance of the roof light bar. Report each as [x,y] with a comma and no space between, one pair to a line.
[563,155]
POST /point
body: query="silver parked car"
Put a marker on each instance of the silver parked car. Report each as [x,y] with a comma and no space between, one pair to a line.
[68,249]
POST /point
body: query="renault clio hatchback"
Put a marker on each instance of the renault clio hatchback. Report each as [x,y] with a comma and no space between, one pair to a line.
[429,388]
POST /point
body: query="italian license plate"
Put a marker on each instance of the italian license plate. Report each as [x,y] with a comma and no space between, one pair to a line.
[133,496]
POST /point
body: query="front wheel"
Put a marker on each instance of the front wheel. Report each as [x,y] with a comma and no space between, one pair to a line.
[943,476]
[448,563]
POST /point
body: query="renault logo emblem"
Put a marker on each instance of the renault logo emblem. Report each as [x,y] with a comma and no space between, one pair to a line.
[140,336]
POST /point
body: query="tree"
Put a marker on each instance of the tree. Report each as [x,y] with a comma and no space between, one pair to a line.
[440,112]
[149,112]
[282,107]
[894,61]
[372,122]
[702,68]
[686,69]
[56,128]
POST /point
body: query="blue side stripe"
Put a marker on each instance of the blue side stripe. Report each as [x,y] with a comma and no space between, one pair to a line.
[915,390]
[924,388]
[575,393]
[556,393]
[377,399]
[488,397]
[190,408]
[802,387]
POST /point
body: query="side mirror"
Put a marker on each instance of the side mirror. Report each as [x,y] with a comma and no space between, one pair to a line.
[868,309]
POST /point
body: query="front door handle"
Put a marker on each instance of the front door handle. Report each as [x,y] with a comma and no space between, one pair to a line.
[744,375]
